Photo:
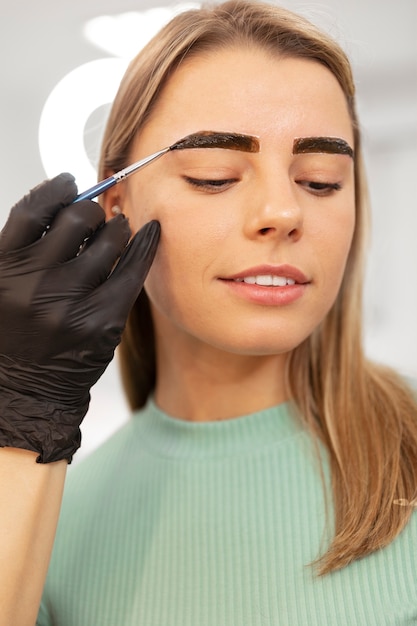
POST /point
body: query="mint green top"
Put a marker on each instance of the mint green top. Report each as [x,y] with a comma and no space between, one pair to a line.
[172,523]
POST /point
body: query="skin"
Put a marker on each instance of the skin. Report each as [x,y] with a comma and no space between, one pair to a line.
[30,500]
[212,342]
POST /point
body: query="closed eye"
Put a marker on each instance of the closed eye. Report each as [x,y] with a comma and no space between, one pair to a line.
[319,188]
[214,185]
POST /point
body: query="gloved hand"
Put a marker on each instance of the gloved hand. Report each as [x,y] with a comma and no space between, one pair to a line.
[63,307]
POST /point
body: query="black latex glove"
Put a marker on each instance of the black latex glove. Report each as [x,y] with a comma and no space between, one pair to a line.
[62,311]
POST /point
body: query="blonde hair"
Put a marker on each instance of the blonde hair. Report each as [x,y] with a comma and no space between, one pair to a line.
[364,414]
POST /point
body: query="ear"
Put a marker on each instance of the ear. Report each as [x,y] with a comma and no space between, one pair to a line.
[112,200]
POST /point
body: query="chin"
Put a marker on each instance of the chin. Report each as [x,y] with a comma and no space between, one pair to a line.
[259,346]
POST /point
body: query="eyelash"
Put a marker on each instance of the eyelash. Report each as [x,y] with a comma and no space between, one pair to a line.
[319,188]
[212,185]
[217,185]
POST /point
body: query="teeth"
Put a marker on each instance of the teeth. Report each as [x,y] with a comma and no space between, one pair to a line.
[279,281]
[267,280]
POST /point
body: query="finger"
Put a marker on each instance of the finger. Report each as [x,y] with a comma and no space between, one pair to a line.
[31,216]
[137,259]
[104,311]
[125,283]
[68,232]
[102,251]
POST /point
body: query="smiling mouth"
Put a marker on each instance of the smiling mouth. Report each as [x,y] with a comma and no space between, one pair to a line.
[266,280]
[266,275]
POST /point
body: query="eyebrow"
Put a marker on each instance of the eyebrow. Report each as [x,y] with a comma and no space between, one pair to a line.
[214,139]
[328,145]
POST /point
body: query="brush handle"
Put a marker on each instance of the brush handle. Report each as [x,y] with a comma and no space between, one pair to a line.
[98,189]
[101,187]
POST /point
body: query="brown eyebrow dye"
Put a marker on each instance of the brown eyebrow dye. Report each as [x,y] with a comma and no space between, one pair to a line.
[329,145]
[211,139]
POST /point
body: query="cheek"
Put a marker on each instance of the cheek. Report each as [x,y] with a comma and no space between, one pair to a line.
[174,283]
[140,212]
[192,239]
[336,235]
[145,198]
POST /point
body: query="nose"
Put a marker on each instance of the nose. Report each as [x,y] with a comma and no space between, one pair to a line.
[273,211]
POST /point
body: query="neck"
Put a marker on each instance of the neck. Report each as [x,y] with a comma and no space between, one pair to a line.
[201,383]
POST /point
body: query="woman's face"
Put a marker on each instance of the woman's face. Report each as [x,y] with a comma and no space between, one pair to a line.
[253,245]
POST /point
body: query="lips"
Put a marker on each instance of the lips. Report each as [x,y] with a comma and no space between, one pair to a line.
[268,285]
[270,276]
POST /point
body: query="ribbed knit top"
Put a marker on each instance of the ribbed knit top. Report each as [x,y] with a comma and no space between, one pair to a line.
[172,523]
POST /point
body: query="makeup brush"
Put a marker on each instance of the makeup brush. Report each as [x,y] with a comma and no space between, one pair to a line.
[202,139]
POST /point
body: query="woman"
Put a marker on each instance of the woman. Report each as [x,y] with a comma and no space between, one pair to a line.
[270,469]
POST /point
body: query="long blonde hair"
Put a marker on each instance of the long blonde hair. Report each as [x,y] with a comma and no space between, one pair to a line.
[364,414]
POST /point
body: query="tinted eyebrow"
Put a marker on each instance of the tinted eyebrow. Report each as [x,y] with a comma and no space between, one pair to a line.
[213,139]
[329,145]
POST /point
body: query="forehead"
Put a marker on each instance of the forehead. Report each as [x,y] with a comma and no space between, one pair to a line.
[251,91]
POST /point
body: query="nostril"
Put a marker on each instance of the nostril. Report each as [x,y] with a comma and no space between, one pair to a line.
[264,231]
